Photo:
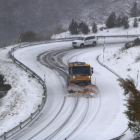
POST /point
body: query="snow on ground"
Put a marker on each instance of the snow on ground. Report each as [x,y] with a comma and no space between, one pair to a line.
[110,121]
[24,97]
[102,118]
[17,105]
[123,62]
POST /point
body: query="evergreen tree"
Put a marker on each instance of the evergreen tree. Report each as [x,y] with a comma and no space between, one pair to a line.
[84,28]
[123,20]
[94,28]
[134,10]
[80,26]
[135,24]
[132,104]
[73,27]
[110,22]
[126,22]
[118,22]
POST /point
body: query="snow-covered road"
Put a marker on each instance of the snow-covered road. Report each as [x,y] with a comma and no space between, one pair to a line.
[98,118]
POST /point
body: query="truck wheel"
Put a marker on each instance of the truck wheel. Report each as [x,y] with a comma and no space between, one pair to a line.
[94,44]
[82,46]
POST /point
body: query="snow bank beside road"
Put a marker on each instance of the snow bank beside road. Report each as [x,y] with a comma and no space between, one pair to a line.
[123,62]
[24,97]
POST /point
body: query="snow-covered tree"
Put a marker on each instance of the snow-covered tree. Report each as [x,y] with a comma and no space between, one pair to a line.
[125,22]
[118,22]
[73,27]
[85,28]
[80,26]
[135,24]
[94,28]
[110,22]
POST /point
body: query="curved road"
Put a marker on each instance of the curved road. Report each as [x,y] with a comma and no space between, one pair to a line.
[67,117]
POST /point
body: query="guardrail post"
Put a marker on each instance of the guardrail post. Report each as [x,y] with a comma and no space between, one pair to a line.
[31,115]
[33,76]
[39,107]
[4,135]
[20,124]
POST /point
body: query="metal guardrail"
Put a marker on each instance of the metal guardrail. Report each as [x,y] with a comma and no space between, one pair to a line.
[129,36]
[40,107]
[34,75]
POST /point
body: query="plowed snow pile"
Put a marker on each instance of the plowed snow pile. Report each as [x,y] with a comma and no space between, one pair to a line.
[24,97]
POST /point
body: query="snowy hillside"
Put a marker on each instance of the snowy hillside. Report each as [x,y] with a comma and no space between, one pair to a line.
[45,16]
[24,97]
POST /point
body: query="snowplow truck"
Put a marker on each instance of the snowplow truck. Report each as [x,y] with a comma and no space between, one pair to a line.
[79,80]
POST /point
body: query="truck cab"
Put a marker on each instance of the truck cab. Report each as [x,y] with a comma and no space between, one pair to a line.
[80,73]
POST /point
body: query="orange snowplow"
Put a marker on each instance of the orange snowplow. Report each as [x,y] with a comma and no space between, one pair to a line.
[79,80]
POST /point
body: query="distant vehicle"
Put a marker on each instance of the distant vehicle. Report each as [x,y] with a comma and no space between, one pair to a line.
[85,41]
[79,80]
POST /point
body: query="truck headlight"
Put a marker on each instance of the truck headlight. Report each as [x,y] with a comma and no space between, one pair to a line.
[73,76]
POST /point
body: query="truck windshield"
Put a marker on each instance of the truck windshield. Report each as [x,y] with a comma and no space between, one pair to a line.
[81,70]
[80,38]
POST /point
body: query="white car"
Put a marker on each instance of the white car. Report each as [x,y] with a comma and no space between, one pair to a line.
[85,41]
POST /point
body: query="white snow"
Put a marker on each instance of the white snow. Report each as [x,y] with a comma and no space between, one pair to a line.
[105,118]
[24,97]
[123,62]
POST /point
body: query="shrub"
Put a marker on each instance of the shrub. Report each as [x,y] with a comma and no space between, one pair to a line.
[129,45]
[132,104]
[137,59]
[30,36]
[136,42]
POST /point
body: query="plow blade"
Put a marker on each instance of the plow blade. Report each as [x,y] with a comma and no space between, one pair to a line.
[86,91]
